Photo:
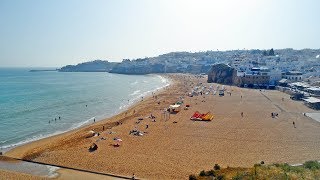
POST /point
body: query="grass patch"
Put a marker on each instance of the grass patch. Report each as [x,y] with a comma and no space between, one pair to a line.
[312,165]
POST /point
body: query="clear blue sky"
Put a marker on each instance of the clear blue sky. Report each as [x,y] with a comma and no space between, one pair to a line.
[53,33]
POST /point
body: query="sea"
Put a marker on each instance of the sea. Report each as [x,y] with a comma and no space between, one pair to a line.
[32,102]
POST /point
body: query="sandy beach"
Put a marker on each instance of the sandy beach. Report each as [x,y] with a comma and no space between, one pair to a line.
[175,147]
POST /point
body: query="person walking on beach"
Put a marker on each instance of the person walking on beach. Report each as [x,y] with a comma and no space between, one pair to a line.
[241,114]
[94,119]
[294,124]
[133,177]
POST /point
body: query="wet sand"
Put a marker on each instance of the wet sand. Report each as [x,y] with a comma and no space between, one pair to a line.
[169,150]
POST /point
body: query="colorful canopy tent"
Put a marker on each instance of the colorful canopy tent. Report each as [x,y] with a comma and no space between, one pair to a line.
[197,116]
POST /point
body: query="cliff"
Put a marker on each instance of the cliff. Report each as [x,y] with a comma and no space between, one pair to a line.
[137,68]
[223,74]
[159,65]
[92,66]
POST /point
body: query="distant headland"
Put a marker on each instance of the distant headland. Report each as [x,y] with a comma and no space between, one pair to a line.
[40,70]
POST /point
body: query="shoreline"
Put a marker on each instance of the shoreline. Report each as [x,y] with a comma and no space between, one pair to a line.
[86,122]
[24,151]
[120,112]
[178,147]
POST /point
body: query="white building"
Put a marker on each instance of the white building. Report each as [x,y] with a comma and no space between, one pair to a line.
[294,75]
[275,75]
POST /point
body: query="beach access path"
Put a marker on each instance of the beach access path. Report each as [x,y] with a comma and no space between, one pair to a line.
[175,147]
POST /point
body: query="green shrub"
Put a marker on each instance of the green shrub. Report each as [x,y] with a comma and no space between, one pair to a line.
[216,167]
[221,177]
[285,167]
[237,177]
[312,165]
[202,173]
[257,165]
[211,173]
[192,177]
[243,175]
[276,164]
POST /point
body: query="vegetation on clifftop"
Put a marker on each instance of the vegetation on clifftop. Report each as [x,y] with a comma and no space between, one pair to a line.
[91,66]
[309,170]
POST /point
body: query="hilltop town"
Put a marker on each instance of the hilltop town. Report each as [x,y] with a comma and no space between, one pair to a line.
[305,61]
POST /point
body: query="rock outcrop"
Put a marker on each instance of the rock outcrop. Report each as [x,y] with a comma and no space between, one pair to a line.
[138,68]
[150,67]
[92,66]
[223,74]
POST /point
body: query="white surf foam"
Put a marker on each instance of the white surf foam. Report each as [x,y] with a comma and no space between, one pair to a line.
[28,140]
[134,83]
[41,136]
[77,125]
[135,92]
[164,83]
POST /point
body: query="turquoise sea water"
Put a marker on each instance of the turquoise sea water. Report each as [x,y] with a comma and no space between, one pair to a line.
[29,100]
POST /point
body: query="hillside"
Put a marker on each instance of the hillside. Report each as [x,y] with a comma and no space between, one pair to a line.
[306,60]
[92,66]
[201,62]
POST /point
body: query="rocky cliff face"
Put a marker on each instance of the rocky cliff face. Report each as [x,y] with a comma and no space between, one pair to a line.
[92,66]
[222,73]
[147,68]
[138,69]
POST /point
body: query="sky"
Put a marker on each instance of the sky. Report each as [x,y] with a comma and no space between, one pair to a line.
[54,33]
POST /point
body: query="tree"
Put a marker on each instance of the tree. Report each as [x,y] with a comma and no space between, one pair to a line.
[271,52]
[264,53]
